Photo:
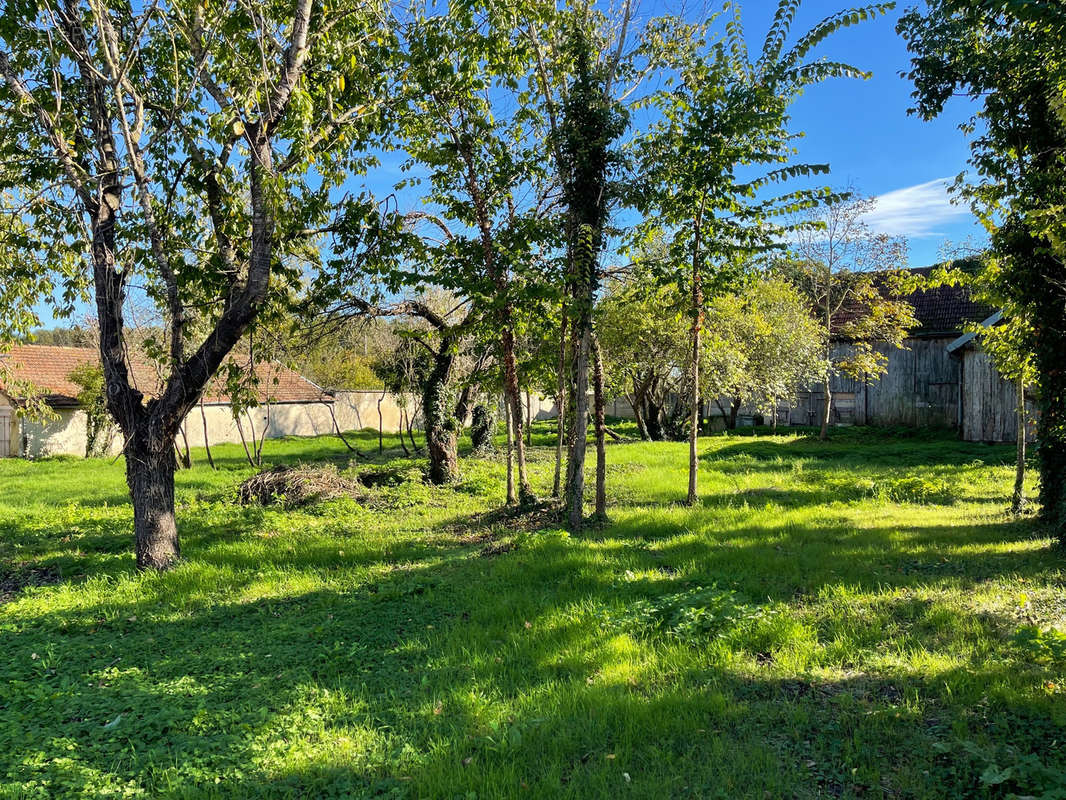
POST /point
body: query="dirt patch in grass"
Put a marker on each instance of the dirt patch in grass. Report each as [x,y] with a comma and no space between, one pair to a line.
[15,578]
[534,517]
[497,548]
[389,476]
[293,487]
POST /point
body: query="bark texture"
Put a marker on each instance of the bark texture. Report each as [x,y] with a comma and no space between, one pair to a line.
[1018,498]
[601,430]
[150,466]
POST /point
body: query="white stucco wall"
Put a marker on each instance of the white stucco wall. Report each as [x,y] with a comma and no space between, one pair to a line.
[354,411]
[65,434]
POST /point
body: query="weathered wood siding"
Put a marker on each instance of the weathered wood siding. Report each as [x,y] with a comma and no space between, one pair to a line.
[988,401]
[920,388]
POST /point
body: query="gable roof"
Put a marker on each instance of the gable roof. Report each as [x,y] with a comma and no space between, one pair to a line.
[944,309]
[47,368]
[940,311]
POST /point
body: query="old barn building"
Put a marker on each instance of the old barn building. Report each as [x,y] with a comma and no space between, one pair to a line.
[289,405]
[942,378]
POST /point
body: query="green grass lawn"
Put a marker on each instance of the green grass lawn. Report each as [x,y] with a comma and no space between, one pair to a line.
[848,619]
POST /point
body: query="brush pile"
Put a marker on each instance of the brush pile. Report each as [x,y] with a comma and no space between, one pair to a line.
[296,486]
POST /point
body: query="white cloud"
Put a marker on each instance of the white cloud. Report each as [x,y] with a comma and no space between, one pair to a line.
[915,211]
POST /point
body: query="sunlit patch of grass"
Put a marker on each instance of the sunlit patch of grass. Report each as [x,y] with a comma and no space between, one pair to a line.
[856,617]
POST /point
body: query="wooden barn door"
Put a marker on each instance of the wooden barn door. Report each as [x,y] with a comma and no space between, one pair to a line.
[5,432]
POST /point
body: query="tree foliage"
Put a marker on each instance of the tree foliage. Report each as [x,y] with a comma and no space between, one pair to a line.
[186,150]
[1010,58]
[853,279]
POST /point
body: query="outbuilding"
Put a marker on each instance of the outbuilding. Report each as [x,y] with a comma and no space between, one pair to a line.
[36,375]
[941,378]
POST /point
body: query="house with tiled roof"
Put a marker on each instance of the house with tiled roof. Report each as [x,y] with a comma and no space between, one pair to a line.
[36,375]
[936,380]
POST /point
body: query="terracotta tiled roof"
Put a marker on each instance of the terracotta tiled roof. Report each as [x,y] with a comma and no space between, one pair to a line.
[48,369]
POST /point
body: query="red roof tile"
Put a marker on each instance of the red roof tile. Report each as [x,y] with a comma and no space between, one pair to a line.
[48,368]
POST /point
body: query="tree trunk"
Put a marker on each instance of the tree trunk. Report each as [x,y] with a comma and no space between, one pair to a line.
[514,406]
[150,467]
[511,499]
[1051,434]
[529,420]
[381,425]
[560,406]
[410,432]
[694,368]
[827,409]
[575,469]
[773,417]
[601,429]
[653,420]
[636,402]
[244,441]
[403,418]
[482,429]
[207,444]
[734,411]
[441,438]
[337,429]
[262,438]
[184,454]
[1018,499]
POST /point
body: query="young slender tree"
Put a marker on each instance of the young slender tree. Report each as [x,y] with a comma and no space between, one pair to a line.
[187,147]
[852,277]
[729,112]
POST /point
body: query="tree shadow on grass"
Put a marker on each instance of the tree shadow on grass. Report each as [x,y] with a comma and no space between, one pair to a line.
[790,558]
[419,668]
[492,676]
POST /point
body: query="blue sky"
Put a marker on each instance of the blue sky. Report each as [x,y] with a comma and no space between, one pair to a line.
[862,130]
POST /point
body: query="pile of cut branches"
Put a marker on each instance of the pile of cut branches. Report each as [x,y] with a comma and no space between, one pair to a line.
[296,486]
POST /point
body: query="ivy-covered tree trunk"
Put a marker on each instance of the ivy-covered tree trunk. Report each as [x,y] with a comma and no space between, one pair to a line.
[590,124]
[1051,429]
[441,435]
[481,430]
[1036,279]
